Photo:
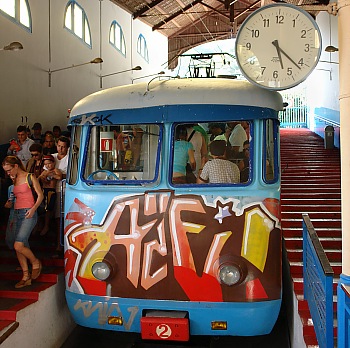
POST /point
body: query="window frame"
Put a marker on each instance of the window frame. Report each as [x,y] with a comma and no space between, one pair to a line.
[121,182]
[275,166]
[210,185]
[85,23]
[17,18]
[142,49]
[114,26]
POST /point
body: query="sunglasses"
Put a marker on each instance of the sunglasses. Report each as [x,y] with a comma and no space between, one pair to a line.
[34,154]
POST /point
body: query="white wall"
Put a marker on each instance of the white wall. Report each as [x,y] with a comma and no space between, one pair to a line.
[25,87]
[323,83]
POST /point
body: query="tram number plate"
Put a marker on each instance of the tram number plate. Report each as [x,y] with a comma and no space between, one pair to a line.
[165,328]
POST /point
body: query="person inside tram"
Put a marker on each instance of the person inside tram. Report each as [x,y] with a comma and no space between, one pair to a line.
[136,144]
[236,138]
[218,170]
[243,164]
[183,154]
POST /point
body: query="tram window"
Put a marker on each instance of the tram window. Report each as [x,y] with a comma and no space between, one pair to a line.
[269,157]
[122,154]
[220,162]
[74,156]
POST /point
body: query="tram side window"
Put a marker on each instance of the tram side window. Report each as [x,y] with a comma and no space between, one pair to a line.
[72,176]
[123,153]
[211,153]
[269,157]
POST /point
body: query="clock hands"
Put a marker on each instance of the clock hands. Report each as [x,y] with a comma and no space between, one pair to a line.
[275,43]
[279,51]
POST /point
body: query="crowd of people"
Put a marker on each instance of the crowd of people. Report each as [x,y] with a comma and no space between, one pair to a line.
[220,155]
[35,163]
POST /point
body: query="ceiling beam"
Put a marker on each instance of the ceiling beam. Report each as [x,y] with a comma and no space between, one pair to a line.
[174,15]
[145,8]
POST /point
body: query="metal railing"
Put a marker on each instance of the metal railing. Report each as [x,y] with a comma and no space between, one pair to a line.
[318,285]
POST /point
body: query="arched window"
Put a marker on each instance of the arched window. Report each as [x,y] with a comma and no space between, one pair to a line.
[76,22]
[18,11]
[116,38]
[142,47]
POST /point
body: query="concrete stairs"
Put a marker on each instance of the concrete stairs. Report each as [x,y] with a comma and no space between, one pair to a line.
[310,184]
[15,301]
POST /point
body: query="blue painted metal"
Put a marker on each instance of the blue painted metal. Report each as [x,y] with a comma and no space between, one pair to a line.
[343,311]
[318,285]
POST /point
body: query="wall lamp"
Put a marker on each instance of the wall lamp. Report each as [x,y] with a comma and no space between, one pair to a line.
[119,72]
[13,46]
[94,61]
[143,77]
[331,49]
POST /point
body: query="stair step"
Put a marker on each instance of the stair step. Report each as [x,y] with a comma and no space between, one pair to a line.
[335,223]
[296,268]
[10,307]
[310,183]
[332,255]
[325,215]
[321,232]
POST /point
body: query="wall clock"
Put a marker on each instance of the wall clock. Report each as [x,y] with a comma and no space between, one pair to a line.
[278,46]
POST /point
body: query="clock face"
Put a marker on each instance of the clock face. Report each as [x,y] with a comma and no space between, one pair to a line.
[278,46]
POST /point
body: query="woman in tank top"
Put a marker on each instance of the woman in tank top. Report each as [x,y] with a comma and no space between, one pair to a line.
[25,216]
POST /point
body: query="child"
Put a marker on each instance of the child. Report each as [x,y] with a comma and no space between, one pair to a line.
[48,180]
[218,170]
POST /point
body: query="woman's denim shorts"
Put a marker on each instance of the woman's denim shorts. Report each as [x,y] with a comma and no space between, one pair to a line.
[23,227]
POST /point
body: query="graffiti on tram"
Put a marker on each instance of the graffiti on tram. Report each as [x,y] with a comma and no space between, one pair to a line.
[166,246]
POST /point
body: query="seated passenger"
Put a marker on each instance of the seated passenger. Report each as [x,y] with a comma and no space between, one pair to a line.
[183,153]
[136,144]
[218,170]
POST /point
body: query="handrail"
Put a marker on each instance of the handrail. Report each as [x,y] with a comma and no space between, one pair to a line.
[318,284]
[327,120]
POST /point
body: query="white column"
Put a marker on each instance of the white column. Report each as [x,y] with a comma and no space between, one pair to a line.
[344,103]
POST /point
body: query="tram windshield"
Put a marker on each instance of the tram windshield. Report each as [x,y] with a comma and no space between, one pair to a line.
[123,153]
[212,153]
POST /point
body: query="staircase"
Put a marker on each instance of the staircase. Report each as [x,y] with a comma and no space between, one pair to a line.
[310,184]
[15,301]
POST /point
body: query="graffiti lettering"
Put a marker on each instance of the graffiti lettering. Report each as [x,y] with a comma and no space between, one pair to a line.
[106,310]
[92,120]
[154,228]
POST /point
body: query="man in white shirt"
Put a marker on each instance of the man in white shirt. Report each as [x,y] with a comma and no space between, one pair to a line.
[237,137]
[61,161]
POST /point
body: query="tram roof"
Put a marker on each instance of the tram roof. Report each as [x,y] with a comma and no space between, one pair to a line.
[216,91]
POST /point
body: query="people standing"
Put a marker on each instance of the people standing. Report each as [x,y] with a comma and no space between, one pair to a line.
[61,163]
[183,153]
[56,130]
[37,135]
[49,145]
[20,148]
[25,216]
[48,179]
[199,146]
[35,164]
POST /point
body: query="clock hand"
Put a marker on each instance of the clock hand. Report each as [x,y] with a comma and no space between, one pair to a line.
[288,57]
[275,43]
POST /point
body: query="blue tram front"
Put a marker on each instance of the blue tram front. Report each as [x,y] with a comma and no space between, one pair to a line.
[145,253]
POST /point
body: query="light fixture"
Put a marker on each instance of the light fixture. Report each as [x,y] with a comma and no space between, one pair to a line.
[13,46]
[94,61]
[142,77]
[119,72]
[331,49]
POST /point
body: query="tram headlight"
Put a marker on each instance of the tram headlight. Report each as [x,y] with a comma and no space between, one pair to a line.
[229,274]
[101,270]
